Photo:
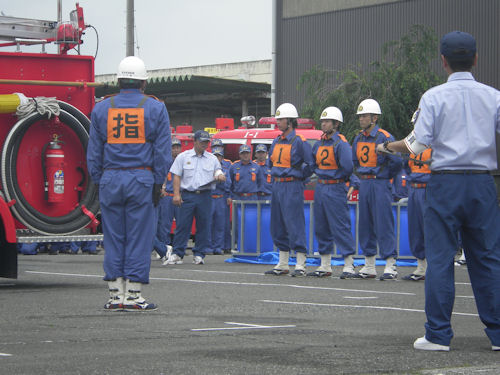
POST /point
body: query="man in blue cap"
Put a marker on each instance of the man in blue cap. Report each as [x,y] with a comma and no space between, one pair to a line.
[459,120]
[195,173]
[246,176]
[266,188]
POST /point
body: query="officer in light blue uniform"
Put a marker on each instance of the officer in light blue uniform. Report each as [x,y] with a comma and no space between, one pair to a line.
[459,120]
[266,188]
[291,163]
[221,197]
[166,209]
[332,219]
[196,172]
[376,221]
[246,176]
[128,155]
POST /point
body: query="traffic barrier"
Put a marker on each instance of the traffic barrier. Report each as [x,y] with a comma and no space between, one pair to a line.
[251,224]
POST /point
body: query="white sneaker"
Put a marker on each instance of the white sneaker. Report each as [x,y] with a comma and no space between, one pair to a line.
[173,259]
[169,251]
[198,260]
[423,344]
[495,348]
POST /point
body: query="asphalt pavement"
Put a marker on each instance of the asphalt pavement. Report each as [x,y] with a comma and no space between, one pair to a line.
[227,318]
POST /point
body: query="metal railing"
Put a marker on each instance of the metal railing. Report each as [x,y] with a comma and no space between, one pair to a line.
[240,225]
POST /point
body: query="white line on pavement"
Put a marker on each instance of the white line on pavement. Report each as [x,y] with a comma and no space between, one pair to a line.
[235,283]
[351,297]
[355,306]
[5,355]
[242,326]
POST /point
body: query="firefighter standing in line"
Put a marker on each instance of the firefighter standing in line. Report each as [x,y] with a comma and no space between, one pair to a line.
[266,188]
[246,176]
[128,155]
[459,120]
[332,219]
[195,173]
[291,163]
[376,221]
[217,142]
[166,210]
[221,197]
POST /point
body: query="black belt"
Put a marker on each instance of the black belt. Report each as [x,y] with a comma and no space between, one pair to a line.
[461,171]
[197,191]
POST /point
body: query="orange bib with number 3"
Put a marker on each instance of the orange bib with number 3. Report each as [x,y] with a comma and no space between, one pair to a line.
[325,158]
[366,154]
[281,156]
[126,125]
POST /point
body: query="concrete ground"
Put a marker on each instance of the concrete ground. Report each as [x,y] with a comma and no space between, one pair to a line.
[222,318]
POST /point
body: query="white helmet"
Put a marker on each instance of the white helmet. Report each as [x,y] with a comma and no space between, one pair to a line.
[369,106]
[132,67]
[286,110]
[332,113]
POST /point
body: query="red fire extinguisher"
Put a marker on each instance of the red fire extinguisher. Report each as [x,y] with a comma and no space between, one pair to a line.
[54,171]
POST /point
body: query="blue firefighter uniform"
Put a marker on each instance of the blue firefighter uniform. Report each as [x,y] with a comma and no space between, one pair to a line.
[291,163]
[128,151]
[166,214]
[220,208]
[376,221]
[332,219]
[399,186]
[246,180]
[418,177]
[266,188]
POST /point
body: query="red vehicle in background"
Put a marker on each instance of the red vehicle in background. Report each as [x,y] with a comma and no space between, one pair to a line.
[46,193]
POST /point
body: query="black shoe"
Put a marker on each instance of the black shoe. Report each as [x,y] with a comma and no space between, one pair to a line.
[298,273]
[413,277]
[276,272]
[319,274]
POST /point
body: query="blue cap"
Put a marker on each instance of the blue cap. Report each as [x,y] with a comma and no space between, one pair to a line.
[458,45]
[176,141]
[217,142]
[245,148]
[201,135]
[218,150]
[260,147]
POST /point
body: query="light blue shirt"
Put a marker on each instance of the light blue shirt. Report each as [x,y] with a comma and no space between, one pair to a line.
[458,119]
[196,171]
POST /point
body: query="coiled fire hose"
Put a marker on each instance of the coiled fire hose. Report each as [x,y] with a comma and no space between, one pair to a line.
[31,111]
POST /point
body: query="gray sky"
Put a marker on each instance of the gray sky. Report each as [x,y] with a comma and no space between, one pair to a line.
[169,33]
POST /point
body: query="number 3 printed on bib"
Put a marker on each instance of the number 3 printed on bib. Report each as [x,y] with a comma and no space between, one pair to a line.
[366,154]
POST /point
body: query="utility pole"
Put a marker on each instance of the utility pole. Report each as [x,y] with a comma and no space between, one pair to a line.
[130,28]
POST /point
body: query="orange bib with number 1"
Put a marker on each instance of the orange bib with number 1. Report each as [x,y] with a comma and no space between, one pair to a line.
[281,156]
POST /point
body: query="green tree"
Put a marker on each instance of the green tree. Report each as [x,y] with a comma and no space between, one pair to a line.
[397,82]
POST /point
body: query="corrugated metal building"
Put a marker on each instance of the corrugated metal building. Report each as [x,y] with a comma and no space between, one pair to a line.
[339,33]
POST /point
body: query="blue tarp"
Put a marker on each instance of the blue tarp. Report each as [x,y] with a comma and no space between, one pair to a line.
[272,258]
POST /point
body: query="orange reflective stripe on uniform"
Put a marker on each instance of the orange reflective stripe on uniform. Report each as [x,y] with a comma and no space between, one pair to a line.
[254,177]
[421,168]
[169,176]
[268,179]
[366,154]
[325,158]
[282,155]
[237,177]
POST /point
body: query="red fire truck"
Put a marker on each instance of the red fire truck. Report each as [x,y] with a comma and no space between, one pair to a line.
[45,104]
